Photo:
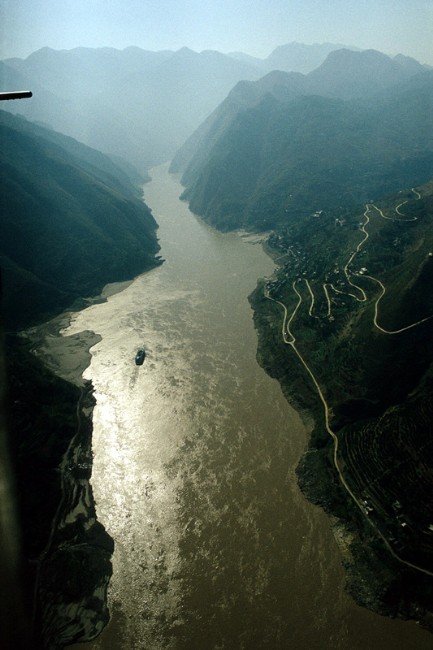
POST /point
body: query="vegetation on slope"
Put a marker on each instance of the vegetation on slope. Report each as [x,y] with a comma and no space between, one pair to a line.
[282,160]
[71,222]
[343,75]
[375,371]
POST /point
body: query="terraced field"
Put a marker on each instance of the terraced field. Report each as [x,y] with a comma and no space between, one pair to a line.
[388,462]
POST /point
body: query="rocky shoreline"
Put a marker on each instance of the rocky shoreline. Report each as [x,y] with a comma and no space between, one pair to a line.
[76,567]
[69,564]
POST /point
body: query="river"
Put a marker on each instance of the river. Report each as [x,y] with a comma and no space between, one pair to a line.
[194,464]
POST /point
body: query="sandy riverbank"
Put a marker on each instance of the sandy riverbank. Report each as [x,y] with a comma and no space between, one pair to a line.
[69,356]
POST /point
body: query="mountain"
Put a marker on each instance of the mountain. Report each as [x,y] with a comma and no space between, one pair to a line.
[349,74]
[116,170]
[360,287]
[284,159]
[194,152]
[132,103]
[45,105]
[71,222]
[298,57]
[292,57]
[344,74]
[251,60]
[73,73]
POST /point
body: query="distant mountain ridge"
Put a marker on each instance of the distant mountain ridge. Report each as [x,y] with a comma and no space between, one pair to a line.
[134,103]
[293,57]
[298,57]
[349,74]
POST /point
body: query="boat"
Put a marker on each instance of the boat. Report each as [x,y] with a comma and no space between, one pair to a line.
[140,357]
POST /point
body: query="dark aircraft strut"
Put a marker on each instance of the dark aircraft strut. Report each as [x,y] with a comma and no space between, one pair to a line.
[16,94]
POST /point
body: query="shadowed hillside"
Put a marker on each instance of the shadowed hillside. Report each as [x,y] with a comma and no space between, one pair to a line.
[282,158]
[344,74]
[72,222]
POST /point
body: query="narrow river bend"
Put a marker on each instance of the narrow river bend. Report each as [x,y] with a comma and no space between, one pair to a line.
[194,461]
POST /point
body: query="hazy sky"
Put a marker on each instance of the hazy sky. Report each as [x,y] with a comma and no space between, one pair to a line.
[252,26]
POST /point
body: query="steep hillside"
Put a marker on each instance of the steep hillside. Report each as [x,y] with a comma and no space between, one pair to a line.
[71,222]
[284,159]
[65,551]
[116,171]
[345,325]
[344,74]
[194,153]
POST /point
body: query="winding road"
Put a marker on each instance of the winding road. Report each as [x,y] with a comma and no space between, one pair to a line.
[310,311]
[290,339]
[376,312]
[397,209]
[370,277]
[352,257]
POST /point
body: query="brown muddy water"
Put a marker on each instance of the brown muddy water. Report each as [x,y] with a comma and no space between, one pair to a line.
[194,464]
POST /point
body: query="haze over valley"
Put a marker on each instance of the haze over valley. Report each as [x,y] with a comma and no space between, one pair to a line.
[217,313]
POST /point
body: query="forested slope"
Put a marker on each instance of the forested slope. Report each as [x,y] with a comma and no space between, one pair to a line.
[71,222]
[359,126]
